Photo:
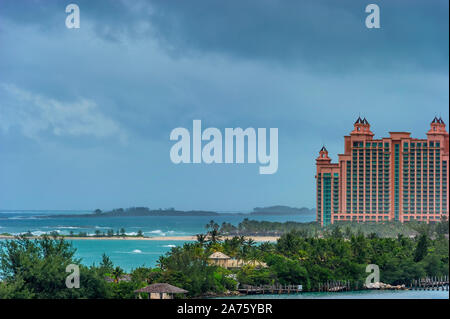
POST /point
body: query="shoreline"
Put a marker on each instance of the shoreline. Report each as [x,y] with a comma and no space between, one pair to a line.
[156,238]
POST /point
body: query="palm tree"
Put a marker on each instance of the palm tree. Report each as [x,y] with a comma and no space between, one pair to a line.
[213,231]
[210,224]
[117,273]
[201,239]
[214,235]
[250,242]
[231,246]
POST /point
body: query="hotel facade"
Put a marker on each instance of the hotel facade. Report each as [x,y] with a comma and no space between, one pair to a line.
[397,178]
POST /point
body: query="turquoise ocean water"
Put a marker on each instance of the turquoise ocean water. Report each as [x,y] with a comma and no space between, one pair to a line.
[16,222]
[127,254]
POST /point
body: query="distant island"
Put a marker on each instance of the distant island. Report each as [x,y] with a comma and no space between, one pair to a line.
[145,211]
[140,211]
[282,210]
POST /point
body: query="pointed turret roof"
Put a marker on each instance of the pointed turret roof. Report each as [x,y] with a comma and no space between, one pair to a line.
[359,120]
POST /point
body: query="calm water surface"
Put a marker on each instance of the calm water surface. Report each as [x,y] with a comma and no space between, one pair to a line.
[16,222]
[366,294]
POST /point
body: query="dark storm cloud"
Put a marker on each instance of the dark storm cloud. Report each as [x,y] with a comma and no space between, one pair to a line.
[325,35]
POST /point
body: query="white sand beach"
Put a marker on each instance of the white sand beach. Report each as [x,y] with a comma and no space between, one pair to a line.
[156,238]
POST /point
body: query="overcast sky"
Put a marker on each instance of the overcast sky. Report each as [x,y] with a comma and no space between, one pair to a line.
[85,114]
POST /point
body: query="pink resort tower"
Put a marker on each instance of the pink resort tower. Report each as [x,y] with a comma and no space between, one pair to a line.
[397,178]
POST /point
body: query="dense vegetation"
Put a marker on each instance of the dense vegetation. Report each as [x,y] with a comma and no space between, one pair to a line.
[35,268]
[387,229]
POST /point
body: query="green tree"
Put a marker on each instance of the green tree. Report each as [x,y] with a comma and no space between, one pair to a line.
[117,273]
[288,271]
[106,265]
[187,267]
[142,274]
[336,232]
[213,232]
[422,247]
[37,269]
[201,239]
[125,289]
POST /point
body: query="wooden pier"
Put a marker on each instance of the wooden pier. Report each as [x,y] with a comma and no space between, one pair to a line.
[270,289]
[335,286]
[433,283]
[330,286]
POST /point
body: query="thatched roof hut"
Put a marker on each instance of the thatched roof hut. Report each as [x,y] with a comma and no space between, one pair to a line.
[126,278]
[162,288]
[160,291]
[219,256]
[220,259]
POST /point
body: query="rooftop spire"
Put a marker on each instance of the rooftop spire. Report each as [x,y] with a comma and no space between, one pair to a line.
[437,126]
[358,121]
[323,156]
[362,127]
